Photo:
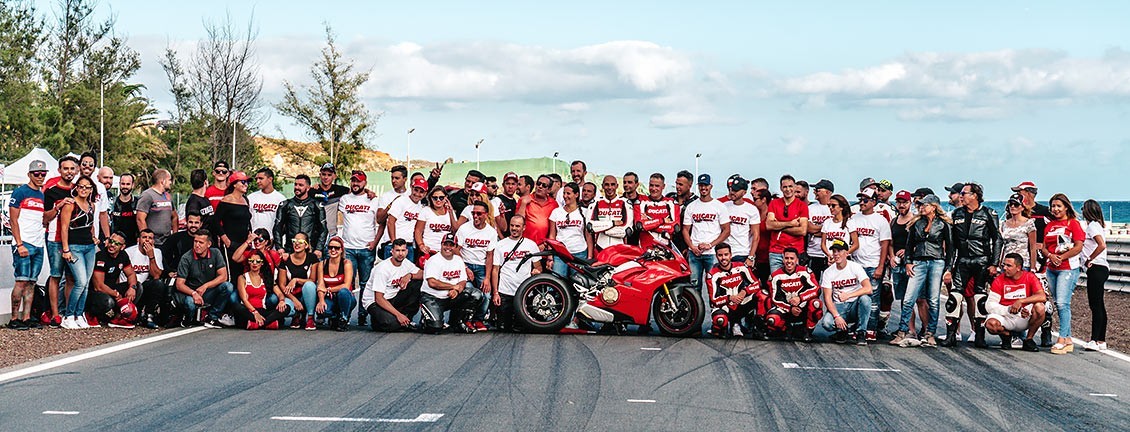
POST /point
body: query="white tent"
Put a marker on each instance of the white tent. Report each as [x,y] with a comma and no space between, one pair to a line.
[16,172]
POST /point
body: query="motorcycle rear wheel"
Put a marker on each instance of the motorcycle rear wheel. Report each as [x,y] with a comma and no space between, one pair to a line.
[686,320]
[544,304]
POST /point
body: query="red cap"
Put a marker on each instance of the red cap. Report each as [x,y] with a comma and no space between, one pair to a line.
[358,175]
[1022,186]
[902,195]
[420,183]
[510,175]
[479,187]
[237,176]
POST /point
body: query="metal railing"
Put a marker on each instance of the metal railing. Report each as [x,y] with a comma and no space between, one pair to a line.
[1118,254]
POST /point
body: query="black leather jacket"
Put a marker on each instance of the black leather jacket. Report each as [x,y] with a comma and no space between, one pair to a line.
[977,236]
[295,216]
[933,242]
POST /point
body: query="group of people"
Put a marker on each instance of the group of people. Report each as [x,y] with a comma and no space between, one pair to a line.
[805,263]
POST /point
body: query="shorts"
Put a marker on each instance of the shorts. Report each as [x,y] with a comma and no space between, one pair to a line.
[27,269]
[55,259]
[1012,322]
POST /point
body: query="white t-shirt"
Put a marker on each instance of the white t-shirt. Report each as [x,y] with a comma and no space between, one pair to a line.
[1089,244]
[140,262]
[383,280]
[263,208]
[475,243]
[435,227]
[741,218]
[833,231]
[450,271]
[843,280]
[817,214]
[101,205]
[570,229]
[385,201]
[359,220]
[705,220]
[509,275]
[406,212]
[871,229]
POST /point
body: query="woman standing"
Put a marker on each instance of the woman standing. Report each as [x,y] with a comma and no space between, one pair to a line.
[1019,231]
[78,249]
[298,276]
[1098,270]
[1063,241]
[900,230]
[929,250]
[839,227]
[252,288]
[334,279]
[232,222]
[436,220]
[567,225]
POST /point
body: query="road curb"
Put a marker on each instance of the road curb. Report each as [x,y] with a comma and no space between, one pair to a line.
[35,366]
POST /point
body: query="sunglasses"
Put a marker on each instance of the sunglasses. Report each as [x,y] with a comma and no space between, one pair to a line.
[243,182]
[83,187]
[965,193]
[478,213]
[116,243]
[333,248]
[299,241]
[543,185]
[439,198]
[833,205]
[259,240]
[865,200]
[39,173]
[254,261]
[88,164]
[220,171]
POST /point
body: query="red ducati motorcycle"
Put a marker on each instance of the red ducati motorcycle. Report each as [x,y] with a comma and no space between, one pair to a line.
[624,285]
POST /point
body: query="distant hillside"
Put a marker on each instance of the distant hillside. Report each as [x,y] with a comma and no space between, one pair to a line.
[284,162]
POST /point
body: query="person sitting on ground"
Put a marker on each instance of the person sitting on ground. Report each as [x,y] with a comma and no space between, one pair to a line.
[298,276]
[253,287]
[392,295]
[109,295]
[202,280]
[335,279]
[735,294]
[794,299]
[1015,303]
[506,273]
[148,267]
[259,241]
[446,278]
[847,292]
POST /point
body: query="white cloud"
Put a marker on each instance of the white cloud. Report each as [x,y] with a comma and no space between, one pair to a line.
[794,145]
[574,107]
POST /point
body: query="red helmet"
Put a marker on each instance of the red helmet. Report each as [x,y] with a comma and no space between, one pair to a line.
[127,310]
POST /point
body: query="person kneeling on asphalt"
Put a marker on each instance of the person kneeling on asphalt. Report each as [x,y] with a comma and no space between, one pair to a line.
[149,268]
[507,276]
[252,287]
[1015,303]
[847,292]
[794,299]
[392,295]
[445,290]
[202,281]
[110,297]
[735,294]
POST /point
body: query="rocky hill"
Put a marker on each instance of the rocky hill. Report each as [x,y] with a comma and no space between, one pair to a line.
[281,155]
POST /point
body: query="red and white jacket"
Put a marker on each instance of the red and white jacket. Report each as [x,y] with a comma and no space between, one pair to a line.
[785,286]
[661,209]
[615,210]
[724,283]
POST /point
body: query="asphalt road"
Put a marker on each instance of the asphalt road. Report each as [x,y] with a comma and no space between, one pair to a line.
[493,381]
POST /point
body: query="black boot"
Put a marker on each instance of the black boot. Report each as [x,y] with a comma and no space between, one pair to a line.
[979,336]
[1006,341]
[1046,332]
[951,334]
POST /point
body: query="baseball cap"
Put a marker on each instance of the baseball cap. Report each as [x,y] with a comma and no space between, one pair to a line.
[219,164]
[739,184]
[358,175]
[37,165]
[886,185]
[1024,186]
[510,175]
[930,199]
[838,244]
[921,192]
[327,167]
[420,183]
[956,188]
[903,195]
[479,187]
[448,238]
[866,193]
[824,184]
[237,176]
[867,182]
[704,179]
[1016,199]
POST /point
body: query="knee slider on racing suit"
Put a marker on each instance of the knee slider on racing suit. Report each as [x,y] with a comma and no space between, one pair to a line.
[954,304]
[775,320]
[979,310]
[815,313]
[720,320]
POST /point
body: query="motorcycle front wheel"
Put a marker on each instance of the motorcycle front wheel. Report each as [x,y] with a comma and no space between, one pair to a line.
[683,318]
[544,304]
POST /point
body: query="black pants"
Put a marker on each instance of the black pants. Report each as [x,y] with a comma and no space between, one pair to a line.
[504,313]
[761,271]
[1096,287]
[244,316]
[817,265]
[462,307]
[407,302]
[101,305]
[147,298]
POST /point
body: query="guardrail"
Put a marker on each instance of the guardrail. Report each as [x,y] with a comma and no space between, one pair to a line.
[1118,254]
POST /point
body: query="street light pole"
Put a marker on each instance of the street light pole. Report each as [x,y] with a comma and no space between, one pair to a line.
[477,152]
[554,161]
[232,143]
[101,123]
[408,157]
[696,156]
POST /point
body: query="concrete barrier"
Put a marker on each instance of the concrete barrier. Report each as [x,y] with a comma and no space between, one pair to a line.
[1118,254]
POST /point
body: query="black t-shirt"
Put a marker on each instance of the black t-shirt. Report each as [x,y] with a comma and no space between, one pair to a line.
[328,196]
[899,234]
[122,218]
[233,220]
[200,205]
[299,271]
[1041,214]
[112,267]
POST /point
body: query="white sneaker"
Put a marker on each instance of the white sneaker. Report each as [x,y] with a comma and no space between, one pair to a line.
[1094,346]
[227,320]
[69,323]
[81,322]
[737,330]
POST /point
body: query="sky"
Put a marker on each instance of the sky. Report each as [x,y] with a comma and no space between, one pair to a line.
[920,94]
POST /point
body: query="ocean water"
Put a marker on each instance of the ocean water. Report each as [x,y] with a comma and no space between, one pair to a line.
[1114,211]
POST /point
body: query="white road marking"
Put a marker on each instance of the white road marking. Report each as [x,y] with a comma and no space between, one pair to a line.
[239,352]
[797,366]
[422,418]
[96,353]
[651,349]
[61,412]
[1079,343]
[641,400]
[1110,395]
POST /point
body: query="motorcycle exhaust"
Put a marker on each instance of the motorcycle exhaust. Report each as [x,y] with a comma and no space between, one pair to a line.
[594,313]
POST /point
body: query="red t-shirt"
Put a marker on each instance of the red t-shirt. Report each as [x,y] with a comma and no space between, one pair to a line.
[537,219]
[214,195]
[779,240]
[1059,237]
[1013,290]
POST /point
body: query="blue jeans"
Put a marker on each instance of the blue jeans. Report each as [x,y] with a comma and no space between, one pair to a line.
[309,296]
[27,269]
[216,298]
[776,261]
[341,304]
[899,281]
[362,260]
[563,269]
[82,268]
[700,265]
[927,278]
[55,258]
[856,310]
[480,272]
[876,292]
[1062,284]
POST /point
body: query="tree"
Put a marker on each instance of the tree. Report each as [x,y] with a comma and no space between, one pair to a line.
[331,111]
[182,95]
[23,117]
[74,34]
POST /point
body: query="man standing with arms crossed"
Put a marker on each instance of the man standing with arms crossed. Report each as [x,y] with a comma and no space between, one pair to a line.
[787,223]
